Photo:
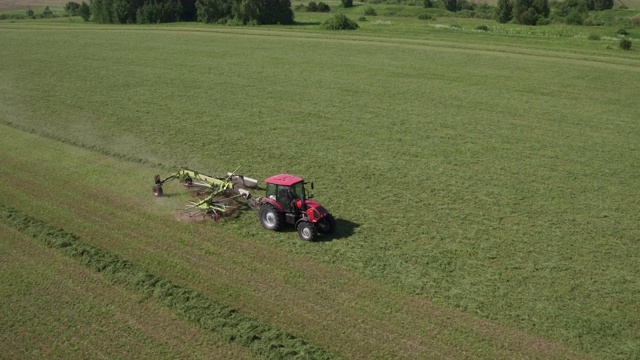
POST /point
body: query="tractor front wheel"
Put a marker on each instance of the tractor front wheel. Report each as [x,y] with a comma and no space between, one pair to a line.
[270,217]
[327,225]
[307,231]
[157,190]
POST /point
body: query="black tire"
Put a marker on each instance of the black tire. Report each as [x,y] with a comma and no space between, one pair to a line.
[270,217]
[157,190]
[188,181]
[307,231]
[327,225]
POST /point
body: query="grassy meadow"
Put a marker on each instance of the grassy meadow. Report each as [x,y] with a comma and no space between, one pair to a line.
[485,183]
[54,308]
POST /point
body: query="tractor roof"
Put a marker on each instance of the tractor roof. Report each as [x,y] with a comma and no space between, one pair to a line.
[284,179]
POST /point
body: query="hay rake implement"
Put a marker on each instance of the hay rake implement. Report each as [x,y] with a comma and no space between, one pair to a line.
[286,200]
[222,194]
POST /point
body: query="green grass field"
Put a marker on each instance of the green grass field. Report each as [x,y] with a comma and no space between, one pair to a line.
[55,308]
[485,184]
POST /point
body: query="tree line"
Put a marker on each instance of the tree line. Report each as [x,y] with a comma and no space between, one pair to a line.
[257,12]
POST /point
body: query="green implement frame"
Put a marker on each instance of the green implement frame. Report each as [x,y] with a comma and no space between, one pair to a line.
[221,191]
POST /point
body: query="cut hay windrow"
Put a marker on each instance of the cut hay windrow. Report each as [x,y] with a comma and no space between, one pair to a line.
[263,340]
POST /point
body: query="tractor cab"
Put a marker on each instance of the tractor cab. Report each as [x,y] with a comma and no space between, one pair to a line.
[286,201]
[287,191]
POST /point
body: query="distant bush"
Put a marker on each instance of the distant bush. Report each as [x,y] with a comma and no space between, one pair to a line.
[594,37]
[339,22]
[370,11]
[233,22]
[30,12]
[13,16]
[575,17]
[625,44]
[482,28]
[47,13]
[362,18]
[347,3]
[425,16]
[622,32]
[543,21]
[635,21]
[319,7]
[592,22]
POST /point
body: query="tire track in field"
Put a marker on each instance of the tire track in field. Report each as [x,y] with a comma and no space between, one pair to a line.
[332,305]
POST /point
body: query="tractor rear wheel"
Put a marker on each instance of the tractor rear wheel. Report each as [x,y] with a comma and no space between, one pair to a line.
[157,190]
[327,225]
[270,217]
[307,231]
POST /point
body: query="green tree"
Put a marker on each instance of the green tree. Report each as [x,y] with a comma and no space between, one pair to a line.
[542,7]
[528,12]
[72,8]
[124,11]
[599,5]
[245,11]
[85,11]
[102,11]
[504,11]
[211,11]
[451,5]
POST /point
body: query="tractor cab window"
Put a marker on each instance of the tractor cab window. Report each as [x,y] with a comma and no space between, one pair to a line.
[285,197]
[271,191]
[297,190]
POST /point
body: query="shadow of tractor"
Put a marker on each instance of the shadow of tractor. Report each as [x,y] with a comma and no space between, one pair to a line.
[344,229]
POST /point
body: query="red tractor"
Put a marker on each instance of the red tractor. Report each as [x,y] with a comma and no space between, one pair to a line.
[286,201]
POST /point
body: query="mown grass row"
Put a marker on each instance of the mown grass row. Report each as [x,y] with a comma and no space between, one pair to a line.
[263,340]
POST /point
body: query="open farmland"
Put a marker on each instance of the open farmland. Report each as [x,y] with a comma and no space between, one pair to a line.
[485,185]
[73,312]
